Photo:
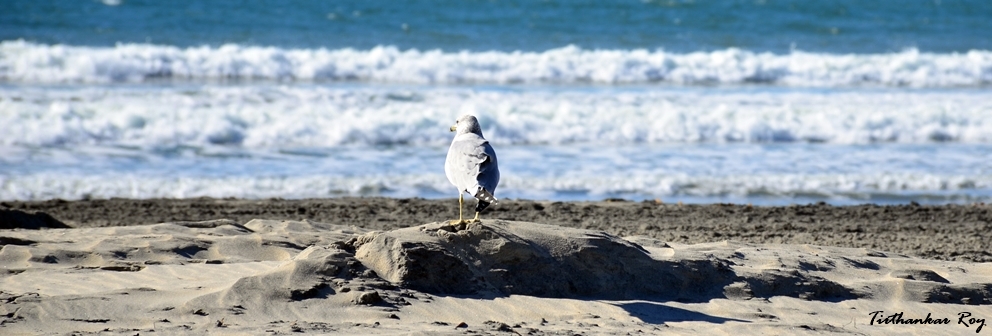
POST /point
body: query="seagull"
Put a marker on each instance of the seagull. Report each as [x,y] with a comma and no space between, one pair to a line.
[471,166]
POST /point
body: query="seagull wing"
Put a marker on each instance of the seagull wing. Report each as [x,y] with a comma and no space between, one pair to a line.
[471,164]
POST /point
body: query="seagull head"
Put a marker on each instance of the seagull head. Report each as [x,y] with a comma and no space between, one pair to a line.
[467,124]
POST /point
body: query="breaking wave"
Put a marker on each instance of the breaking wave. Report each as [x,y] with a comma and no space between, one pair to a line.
[27,62]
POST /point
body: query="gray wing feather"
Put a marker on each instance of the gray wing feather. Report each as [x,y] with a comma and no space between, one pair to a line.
[489,169]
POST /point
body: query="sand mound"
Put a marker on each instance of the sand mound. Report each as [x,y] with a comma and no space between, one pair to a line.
[17,219]
[504,258]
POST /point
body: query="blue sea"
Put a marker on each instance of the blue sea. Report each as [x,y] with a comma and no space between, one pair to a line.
[765,102]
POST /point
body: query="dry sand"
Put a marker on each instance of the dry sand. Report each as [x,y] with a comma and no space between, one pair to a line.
[371,266]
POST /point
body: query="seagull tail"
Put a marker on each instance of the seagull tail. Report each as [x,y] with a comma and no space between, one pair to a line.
[485,199]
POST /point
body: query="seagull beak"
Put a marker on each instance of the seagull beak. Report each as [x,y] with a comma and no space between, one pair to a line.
[452,128]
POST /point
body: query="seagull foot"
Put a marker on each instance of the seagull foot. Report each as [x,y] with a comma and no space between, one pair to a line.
[455,225]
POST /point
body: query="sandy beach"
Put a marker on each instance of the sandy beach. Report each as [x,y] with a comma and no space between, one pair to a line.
[386,266]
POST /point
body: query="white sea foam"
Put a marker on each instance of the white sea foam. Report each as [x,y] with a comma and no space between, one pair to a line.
[258,116]
[758,173]
[838,188]
[26,62]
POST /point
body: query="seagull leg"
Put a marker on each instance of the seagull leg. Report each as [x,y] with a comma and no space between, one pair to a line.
[460,218]
[476,219]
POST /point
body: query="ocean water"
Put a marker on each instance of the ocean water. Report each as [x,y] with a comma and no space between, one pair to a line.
[763,102]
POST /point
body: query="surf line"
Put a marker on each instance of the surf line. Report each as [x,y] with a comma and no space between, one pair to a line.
[964,318]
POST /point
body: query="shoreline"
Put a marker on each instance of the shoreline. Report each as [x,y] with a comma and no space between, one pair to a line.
[942,232]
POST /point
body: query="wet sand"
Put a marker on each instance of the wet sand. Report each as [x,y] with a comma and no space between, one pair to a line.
[946,232]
